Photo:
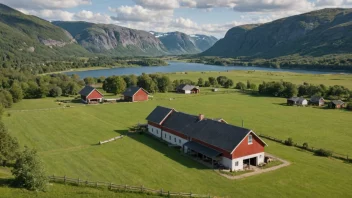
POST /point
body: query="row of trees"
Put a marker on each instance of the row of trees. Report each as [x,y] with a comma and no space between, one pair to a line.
[28,170]
[16,85]
[288,89]
[152,83]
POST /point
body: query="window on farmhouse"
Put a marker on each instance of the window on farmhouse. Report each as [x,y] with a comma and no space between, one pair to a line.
[165,135]
[236,163]
[170,137]
[179,141]
[175,140]
[250,139]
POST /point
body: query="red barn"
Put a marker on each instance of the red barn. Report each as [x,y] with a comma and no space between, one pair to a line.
[213,141]
[91,95]
[135,94]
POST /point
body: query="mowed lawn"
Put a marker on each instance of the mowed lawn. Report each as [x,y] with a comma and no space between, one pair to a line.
[66,140]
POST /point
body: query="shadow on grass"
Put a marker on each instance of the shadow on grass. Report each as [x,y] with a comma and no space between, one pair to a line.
[169,152]
[6,182]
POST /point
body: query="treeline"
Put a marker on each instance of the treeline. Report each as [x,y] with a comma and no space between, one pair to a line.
[16,85]
[329,62]
[35,66]
[27,168]
[288,89]
[150,82]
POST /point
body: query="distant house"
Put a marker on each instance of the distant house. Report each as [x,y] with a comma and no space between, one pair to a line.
[215,89]
[299,101]
[211,140]
[337,104]
[91,95]
[188,89]
[317,101]
[135,94]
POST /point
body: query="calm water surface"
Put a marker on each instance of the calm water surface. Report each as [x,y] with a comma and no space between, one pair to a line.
[183,67]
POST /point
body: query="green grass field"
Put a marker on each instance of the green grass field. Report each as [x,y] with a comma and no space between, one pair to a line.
[66,140]
[260,76]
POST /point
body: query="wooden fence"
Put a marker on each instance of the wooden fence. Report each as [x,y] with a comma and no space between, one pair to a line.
[311,149]
[122,188]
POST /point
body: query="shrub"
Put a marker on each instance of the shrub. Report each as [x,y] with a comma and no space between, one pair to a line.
[289,142]
[323,153]
[349,106]
[29,171]
[240,85]
[305,145]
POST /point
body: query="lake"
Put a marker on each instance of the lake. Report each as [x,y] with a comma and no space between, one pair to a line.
[183,67]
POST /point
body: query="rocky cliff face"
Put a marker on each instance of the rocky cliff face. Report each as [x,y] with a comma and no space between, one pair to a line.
[100,38]
[316,33]
[180,43]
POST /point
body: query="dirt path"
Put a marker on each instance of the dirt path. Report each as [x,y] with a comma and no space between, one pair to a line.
[260,171]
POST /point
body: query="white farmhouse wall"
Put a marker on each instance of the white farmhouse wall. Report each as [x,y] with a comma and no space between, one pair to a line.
[187,91]
[259,156]
[305,102]
[154,131]
[173,139]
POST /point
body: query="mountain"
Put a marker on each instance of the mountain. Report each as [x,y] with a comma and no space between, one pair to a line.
[29,36]
[180,43]
[318,33]
[113,39]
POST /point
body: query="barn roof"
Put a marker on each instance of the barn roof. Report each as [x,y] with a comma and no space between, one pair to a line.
[178,121]
[158,114]
[88,90]
[130,91]
[337,102]
[186,87]
[202,149]
[221,135]
[296,99]
[316,98]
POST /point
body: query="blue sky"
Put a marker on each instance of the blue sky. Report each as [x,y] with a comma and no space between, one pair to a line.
[212,17]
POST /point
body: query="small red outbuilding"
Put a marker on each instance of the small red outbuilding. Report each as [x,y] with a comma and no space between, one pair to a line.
[135,94]
[91,95]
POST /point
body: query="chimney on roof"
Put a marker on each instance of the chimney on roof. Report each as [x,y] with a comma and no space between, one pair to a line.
[201,117]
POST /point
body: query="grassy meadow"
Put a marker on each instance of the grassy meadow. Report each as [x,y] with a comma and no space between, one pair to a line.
[66,140]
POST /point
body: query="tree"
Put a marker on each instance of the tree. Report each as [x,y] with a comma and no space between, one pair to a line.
[29,171]
[248,84]
[207,84]
[212,81]
[6,98]
[118,85]
[55,92]
[253,87]
[163,83]
[221,80]
[89,81]
[240,85]
[147,83]
[229,83]
[8,146]
[200,82]
[16,91]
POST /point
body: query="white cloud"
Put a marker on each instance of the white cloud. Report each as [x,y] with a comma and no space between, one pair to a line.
[333,3]
[158,4]
[45,4]
[138,14]
[61,15]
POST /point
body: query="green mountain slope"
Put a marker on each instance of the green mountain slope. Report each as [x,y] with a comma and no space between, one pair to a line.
[113,40]
[28,37]
[317,33]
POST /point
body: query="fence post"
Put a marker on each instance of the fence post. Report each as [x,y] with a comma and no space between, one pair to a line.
[65,179]
[142,188]
[110,187]
[79,181]
[53,178]
[190,194]
[125,187]
[161,192]
[96,184]
[168,193]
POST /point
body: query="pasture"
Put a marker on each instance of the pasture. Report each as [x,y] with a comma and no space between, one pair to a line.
[66,140]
